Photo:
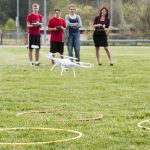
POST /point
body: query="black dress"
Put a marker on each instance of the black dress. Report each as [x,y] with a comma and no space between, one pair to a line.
[99,35]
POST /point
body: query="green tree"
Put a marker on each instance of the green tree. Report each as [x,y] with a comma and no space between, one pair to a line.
[7,9]
[141,19]
[23,13]
[9,25]
[87,14]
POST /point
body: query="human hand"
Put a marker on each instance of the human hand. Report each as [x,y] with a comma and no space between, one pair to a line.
[98,25]
[55,29]
[59,27]
[37,24]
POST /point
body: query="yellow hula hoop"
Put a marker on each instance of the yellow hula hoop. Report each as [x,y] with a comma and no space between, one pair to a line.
[144,127]
[79,135]
[98,117]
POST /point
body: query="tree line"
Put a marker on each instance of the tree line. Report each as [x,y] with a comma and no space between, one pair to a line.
[126,13]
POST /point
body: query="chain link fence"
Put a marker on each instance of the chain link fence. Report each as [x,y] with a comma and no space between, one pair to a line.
[86,38]
[13,38]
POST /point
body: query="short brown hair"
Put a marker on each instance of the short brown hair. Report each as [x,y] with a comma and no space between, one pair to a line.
[72,5]
[56,9]
[35,5]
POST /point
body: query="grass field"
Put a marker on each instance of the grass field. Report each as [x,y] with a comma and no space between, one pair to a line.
[121,93]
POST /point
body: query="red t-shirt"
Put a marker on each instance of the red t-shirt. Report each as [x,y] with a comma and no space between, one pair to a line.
[56,36]
[33,18]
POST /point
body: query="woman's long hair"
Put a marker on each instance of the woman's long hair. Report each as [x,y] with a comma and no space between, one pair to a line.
[100,12]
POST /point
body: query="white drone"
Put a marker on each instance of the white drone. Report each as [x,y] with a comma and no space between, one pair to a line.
[67,62]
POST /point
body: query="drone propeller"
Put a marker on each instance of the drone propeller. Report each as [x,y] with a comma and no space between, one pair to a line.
[73,58]
[84,65]
[67,62]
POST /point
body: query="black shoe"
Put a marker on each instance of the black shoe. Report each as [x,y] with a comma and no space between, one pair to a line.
[99,64]
[111,64]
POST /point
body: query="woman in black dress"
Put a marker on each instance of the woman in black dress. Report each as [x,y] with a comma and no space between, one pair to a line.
[101,25]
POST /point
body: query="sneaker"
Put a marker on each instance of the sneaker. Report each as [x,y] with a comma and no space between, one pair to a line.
[32,63]
[37,64]
[111,64]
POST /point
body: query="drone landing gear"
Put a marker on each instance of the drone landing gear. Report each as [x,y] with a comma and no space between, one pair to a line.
[74,73]
[54,66]
[65,69]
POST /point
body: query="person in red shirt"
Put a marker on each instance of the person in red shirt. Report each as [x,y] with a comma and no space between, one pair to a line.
[56,26]
[34,21]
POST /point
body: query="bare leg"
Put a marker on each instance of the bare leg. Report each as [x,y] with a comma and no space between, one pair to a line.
[109,55]
[30,55]
[37,51]
[37,55]
[61,55]
[97,55]
[52,61]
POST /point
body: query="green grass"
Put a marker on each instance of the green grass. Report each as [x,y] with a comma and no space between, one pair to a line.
[121,93]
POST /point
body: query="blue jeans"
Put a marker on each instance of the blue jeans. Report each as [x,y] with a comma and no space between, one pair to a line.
[74,42]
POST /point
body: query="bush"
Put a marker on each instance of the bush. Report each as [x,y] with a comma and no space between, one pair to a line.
[9,25]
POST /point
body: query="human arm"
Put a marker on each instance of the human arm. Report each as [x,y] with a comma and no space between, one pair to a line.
[51,27]
[69,24]
[64,25]
[38,23]
[80,21]
[60,28]
[57,28]
[97,25]
[107,24]
[28,19]
[34,22]
[29,25]
[63,28]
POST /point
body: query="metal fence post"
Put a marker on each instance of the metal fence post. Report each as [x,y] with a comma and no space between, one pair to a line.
[1,43]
